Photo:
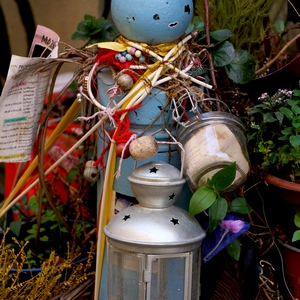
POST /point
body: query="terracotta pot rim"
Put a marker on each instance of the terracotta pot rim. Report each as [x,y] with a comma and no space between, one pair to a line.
[288,246]
[282,183]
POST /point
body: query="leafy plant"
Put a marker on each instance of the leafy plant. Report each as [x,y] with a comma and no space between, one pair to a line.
[94,30]
[209,197]
[247,19]
[274,133]
[238,64]
[53,235]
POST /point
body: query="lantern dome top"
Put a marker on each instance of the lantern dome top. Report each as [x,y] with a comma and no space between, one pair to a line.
[156,184]
[141,229]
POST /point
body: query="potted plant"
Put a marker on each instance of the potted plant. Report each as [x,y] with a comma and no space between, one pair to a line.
[274,145]
[274,141]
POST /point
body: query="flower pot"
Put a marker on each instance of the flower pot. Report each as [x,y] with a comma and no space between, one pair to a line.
[28,273]
[291,262]
[285,190]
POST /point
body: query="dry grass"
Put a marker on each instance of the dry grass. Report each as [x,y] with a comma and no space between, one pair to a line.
[54,279]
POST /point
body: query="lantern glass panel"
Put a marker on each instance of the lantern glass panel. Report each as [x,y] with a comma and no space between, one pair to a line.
[125,272]
[168,278]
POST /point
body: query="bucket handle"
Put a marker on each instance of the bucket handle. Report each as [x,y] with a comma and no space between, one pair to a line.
[182,152]
[177,104]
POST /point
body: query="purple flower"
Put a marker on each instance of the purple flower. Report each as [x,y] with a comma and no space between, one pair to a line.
[232,225]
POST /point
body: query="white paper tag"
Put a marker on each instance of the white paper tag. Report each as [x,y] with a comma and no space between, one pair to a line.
[22,99]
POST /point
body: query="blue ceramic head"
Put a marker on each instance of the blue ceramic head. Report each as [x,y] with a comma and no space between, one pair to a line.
[152,21]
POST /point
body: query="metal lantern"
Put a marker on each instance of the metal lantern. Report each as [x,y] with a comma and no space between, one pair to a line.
[154,247]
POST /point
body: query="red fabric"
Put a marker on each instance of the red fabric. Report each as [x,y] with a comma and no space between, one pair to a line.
[120,134]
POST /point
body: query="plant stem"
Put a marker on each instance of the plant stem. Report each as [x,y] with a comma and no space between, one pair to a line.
[267,65]
[218,244]
[207,32]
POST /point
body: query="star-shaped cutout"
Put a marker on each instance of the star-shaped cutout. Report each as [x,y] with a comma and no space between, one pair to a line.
[153,170]
[171,197]
[174,221]
[126,217]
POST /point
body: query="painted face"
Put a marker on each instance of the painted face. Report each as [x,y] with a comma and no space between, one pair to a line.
[152,21]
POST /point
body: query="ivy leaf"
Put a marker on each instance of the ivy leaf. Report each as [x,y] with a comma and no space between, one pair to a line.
[295,140]
[224,177]
[217,213]
[234,249]
[221,35]
[202,199]
[223,55]
[240,205]
[242,68]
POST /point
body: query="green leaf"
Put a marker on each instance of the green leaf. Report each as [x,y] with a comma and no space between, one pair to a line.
[297,219]
[209,183]
[242,68]
[29,237]
[202,199]
[287,112]
[71,175]
[295,140]
[240,205]
[32,230]
[44,238]
[268,117]
[279,115]
[53,226]
[296,123]
[234,249]
[296,93]
[296,236]
[49,212]
[296,109]
[223,55]
[279,26]
[198,24]
[217,213]
[15,227]
[224,177]
[287,131]
[63,229]
[221,35]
